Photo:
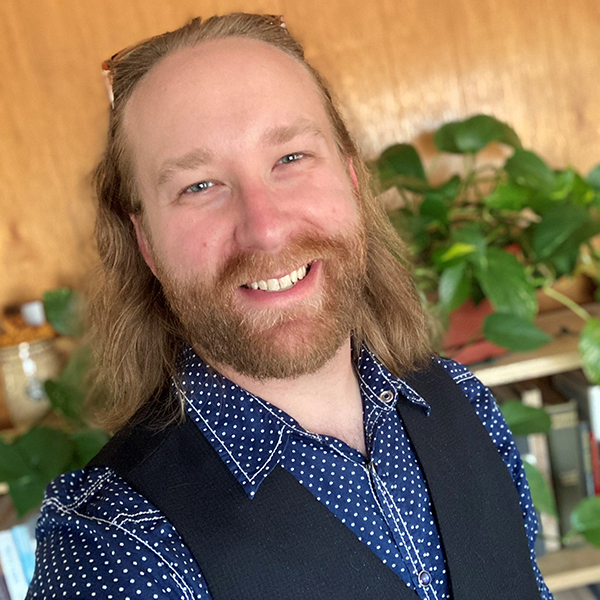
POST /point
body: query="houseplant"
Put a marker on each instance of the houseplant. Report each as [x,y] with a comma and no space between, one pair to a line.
[64,439]
[499,231]
[502,232]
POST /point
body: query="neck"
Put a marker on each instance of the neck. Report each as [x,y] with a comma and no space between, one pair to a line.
[327,402]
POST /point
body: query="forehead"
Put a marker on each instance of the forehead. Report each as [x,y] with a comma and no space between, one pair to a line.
[220,88]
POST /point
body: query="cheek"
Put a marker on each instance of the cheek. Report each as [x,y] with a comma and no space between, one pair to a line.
[185,245]
[334,205]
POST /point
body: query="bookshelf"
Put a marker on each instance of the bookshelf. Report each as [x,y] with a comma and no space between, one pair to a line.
[573,567]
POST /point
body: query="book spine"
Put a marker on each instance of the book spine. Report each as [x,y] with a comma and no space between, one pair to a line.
[595,460]
[25,544]
[563,442]
[537,443]
[586,458]
[11,566]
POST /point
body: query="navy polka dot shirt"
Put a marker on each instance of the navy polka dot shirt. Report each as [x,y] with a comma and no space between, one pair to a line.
[97,538]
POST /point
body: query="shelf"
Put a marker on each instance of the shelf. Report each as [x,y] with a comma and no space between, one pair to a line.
[567,569]
[557,356]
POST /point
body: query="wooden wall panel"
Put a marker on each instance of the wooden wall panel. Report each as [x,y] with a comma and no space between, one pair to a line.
[399,68]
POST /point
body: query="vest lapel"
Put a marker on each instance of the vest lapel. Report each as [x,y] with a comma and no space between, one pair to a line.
[475,501]
[282,544]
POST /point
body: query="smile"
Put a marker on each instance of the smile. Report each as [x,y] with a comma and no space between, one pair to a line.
[282,283]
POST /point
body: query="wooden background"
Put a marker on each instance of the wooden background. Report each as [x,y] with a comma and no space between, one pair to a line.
[399,67]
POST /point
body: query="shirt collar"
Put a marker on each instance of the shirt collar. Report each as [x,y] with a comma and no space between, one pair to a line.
[249,433]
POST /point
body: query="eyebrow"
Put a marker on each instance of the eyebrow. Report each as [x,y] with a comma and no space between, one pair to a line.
[274,136]
[191,160]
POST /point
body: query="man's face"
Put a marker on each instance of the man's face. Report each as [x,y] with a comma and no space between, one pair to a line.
[243,189]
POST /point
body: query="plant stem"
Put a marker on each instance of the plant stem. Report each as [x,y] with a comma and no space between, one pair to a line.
[578,310]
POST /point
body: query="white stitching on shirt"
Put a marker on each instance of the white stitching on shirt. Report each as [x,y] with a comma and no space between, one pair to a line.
[101,479]
[173,572]
[249,478]
[393,512]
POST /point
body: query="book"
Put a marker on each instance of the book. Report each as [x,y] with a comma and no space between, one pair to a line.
[565,455]
[11,567]
[575,386]
[17,559]
[549,530]
[586,458]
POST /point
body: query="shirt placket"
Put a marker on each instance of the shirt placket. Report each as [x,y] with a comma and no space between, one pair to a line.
[415,563]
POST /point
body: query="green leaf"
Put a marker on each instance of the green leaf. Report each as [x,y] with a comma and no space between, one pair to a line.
[473,134]
[28,492]
[524,420]
[589,348]
[65,399]
[63,310]
[504,282]
[513,332]
[585,519]
[593,177]
[455,286]
[434,208]
[471,234]
[529,170]
[507,196]
[563,184]
[445,138]
[556,227]
[477,132]
[76,370]
[87,444]
[400,159]
[582,192]
[47,451]
[450,189]
[456,250]
[541,495]
[12,464]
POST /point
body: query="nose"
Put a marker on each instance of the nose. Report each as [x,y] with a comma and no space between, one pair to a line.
[264,223]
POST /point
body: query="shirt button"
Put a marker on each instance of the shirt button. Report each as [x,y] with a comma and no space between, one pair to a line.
[386,396]
[424,578]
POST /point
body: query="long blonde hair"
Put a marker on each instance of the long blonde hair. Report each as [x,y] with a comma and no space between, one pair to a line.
[135,334]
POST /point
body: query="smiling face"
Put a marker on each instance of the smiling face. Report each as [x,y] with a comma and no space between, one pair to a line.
[250,217]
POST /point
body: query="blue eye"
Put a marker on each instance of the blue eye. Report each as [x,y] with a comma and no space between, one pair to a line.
[290,158]
[196,188]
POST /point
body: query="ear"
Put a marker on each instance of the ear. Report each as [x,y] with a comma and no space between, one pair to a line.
[353,177]
[143,242]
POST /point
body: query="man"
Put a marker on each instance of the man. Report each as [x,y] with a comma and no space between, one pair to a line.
[288,434]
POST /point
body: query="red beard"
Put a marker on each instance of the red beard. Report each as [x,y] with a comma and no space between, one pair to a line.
[274,342]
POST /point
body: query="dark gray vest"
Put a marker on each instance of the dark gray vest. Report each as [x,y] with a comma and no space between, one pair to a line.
[285,544]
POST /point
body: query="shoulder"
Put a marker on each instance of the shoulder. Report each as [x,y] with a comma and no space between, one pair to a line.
[95,529]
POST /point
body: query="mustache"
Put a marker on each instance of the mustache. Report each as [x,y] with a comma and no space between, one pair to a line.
[245,267]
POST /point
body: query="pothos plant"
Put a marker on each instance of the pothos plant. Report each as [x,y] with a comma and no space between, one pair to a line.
[63,439]
[500,232]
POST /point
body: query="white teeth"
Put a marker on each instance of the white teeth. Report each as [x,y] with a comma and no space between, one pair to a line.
[281,284]
[285,283]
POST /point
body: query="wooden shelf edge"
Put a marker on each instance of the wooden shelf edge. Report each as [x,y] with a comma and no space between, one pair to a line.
[558,356]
